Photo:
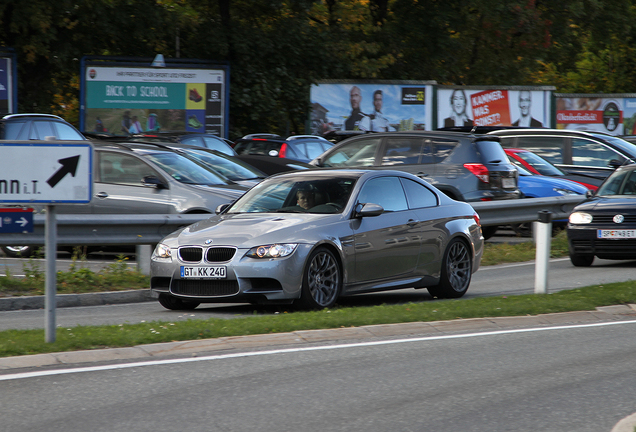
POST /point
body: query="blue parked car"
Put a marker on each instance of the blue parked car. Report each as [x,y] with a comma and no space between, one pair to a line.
[538,186]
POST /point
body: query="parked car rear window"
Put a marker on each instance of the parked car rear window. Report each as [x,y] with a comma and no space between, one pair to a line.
[443,149]
[550,148]
[492,151]
[591,153]
[400,151]
[357,153]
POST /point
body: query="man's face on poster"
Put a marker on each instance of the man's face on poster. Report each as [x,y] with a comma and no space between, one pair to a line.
[377,102]
[524,103]
[355,98]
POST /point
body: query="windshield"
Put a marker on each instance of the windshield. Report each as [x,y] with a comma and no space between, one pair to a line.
[234,170]
[291,195]
[185,170]
[620,182]
[541,165]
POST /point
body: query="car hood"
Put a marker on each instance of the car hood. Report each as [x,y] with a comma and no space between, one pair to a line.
[615,204]
[231,193]
[251,229]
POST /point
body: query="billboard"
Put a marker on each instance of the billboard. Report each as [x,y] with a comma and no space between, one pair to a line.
[379,106]
[131,97]
[488,106]
[8,83]
[612,114]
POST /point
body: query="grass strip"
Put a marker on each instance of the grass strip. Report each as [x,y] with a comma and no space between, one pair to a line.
[24,342]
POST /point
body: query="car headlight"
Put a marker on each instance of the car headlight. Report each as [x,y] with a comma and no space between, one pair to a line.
[272,251]
[580,218]
[162,251]
[565,192]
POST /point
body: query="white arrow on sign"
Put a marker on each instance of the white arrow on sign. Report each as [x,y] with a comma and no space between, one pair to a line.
[22,222]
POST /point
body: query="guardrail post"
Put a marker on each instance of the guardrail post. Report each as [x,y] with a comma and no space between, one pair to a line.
[543,228]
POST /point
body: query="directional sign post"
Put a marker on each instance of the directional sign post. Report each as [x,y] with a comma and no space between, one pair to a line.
[47,172]
[16,220]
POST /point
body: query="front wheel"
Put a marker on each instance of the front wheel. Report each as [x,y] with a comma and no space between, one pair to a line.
[322,280]
[579,260]
[18,251]
[173,303]
[456,272]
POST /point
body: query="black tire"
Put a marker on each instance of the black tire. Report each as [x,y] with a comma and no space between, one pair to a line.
[488,231]
[322,280]
[173,303]
[579,260]
[18,251]
[457,267]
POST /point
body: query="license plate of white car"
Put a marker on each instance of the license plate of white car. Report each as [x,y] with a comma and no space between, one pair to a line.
[508,183]
[217,272]
[615,234]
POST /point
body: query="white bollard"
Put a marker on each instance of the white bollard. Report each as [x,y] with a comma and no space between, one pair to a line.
[543,239]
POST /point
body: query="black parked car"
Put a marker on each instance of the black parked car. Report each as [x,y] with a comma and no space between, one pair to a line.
[604,226]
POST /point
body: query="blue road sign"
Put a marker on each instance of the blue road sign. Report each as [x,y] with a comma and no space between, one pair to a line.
[16,220]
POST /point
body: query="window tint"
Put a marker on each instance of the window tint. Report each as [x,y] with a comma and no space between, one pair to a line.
[491,151]
[591,153]
[313,149]
[443,149]
[549,148]
[41,129]
[385,191]
[401,151]
[418,195]
[66,132]
[357,153]
[119,168]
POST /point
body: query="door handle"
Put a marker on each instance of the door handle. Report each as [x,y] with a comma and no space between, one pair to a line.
[412,222]
[101,195]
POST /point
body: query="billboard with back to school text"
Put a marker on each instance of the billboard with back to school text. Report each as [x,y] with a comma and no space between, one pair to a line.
[505,106]
[125,99]
[379,106]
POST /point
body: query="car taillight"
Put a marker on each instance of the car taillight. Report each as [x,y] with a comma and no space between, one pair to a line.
[476,217]
[283,150]
[478,170]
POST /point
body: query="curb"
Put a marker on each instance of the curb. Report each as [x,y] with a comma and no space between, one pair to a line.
[72,300]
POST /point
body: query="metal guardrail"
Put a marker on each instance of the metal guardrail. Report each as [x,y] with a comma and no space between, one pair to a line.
[112,229]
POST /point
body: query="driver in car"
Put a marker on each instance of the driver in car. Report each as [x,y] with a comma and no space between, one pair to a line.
[306,199]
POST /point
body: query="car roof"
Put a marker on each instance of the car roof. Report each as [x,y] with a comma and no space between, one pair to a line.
[32,115]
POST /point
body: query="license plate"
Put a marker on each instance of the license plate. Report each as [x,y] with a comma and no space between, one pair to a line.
[508,183]
[217,272]
[616,234]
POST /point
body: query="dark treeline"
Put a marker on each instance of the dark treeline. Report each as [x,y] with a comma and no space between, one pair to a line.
[277,49]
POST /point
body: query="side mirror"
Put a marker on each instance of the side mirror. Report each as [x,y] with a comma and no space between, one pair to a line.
[614,163]
[221,208]
[153,181]
[369,210]
[589,194]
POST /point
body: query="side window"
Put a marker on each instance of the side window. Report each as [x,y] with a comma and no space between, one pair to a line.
[418,195]
[66,132]
[550,148]
[591,153]
[313,149]
[218,145]
[385,191]
[13,130]
[117,168]
[404,151]
[443,149]
[357,153]
[41,129]
[195,141]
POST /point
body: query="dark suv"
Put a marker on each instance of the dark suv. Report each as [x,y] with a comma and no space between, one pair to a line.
[302,148]
[593,155]
[466,167]
[37,127]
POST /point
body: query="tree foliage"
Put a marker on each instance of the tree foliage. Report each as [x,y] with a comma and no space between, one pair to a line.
[277,48]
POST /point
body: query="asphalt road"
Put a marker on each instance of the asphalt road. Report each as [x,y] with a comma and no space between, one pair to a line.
[508,279]
[571,378]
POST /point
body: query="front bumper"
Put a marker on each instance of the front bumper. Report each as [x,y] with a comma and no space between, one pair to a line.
[582,240]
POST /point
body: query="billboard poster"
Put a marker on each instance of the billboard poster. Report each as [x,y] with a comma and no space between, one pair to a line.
[125,99]
[379,106]
[602,114]
[7,86]
[464,106]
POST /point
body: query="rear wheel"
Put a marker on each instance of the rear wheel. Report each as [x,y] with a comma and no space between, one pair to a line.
[456,271]
[173,303]
[579,260]
[322,280]
[18,251]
